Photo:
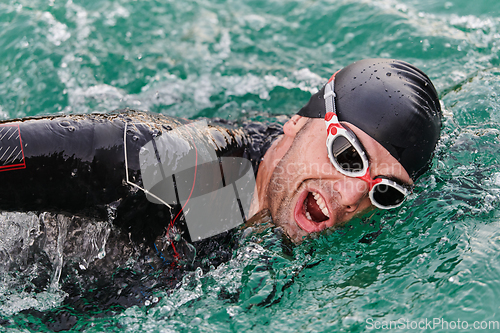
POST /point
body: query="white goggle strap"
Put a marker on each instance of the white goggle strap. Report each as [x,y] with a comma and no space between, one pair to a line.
[329,97]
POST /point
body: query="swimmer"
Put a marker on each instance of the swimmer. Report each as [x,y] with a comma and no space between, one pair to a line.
[359,143]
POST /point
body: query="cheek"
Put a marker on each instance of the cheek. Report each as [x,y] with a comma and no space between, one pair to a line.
[308,154]
[293,166]
[366,204]
[313,164]
[315,154]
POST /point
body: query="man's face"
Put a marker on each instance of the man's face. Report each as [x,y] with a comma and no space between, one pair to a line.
[307,194]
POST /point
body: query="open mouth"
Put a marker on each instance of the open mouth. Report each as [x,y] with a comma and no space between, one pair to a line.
[311,212]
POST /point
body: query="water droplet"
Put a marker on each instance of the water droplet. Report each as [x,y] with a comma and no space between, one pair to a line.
[388,74]
[135,138]
[67,125]
[196,321]
[101,254]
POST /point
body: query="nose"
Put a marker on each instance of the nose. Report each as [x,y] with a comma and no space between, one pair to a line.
[351,192]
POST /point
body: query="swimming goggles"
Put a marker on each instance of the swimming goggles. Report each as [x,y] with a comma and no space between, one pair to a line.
[348,156]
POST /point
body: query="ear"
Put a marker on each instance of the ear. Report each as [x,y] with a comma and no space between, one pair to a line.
[292,127]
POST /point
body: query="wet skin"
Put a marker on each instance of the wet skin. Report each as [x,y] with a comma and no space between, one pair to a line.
[304,191]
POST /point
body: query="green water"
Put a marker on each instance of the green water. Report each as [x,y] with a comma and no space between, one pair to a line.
[435,257]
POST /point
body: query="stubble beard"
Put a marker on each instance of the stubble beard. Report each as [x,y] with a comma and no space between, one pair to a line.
[278,201]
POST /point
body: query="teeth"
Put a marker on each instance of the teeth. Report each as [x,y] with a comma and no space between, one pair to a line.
[321,204]
[308,216]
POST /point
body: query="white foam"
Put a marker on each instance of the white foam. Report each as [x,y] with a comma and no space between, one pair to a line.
[117,12]
[14,303]
[57,32]
[3,114]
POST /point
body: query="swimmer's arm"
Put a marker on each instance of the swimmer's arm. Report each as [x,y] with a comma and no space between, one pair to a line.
[60,163]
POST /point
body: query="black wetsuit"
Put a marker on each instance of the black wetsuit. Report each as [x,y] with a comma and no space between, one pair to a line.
[88,168]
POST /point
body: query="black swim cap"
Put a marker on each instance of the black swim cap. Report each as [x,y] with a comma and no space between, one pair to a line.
[393,102]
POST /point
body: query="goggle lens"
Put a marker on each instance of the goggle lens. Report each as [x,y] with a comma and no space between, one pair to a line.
[346,155]
[387,196]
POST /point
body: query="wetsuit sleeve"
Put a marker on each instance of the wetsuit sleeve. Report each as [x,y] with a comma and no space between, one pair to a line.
[143,166]
[61,163]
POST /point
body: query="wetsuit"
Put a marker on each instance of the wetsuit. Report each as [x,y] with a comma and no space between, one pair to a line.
[82,169]
[91,164]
